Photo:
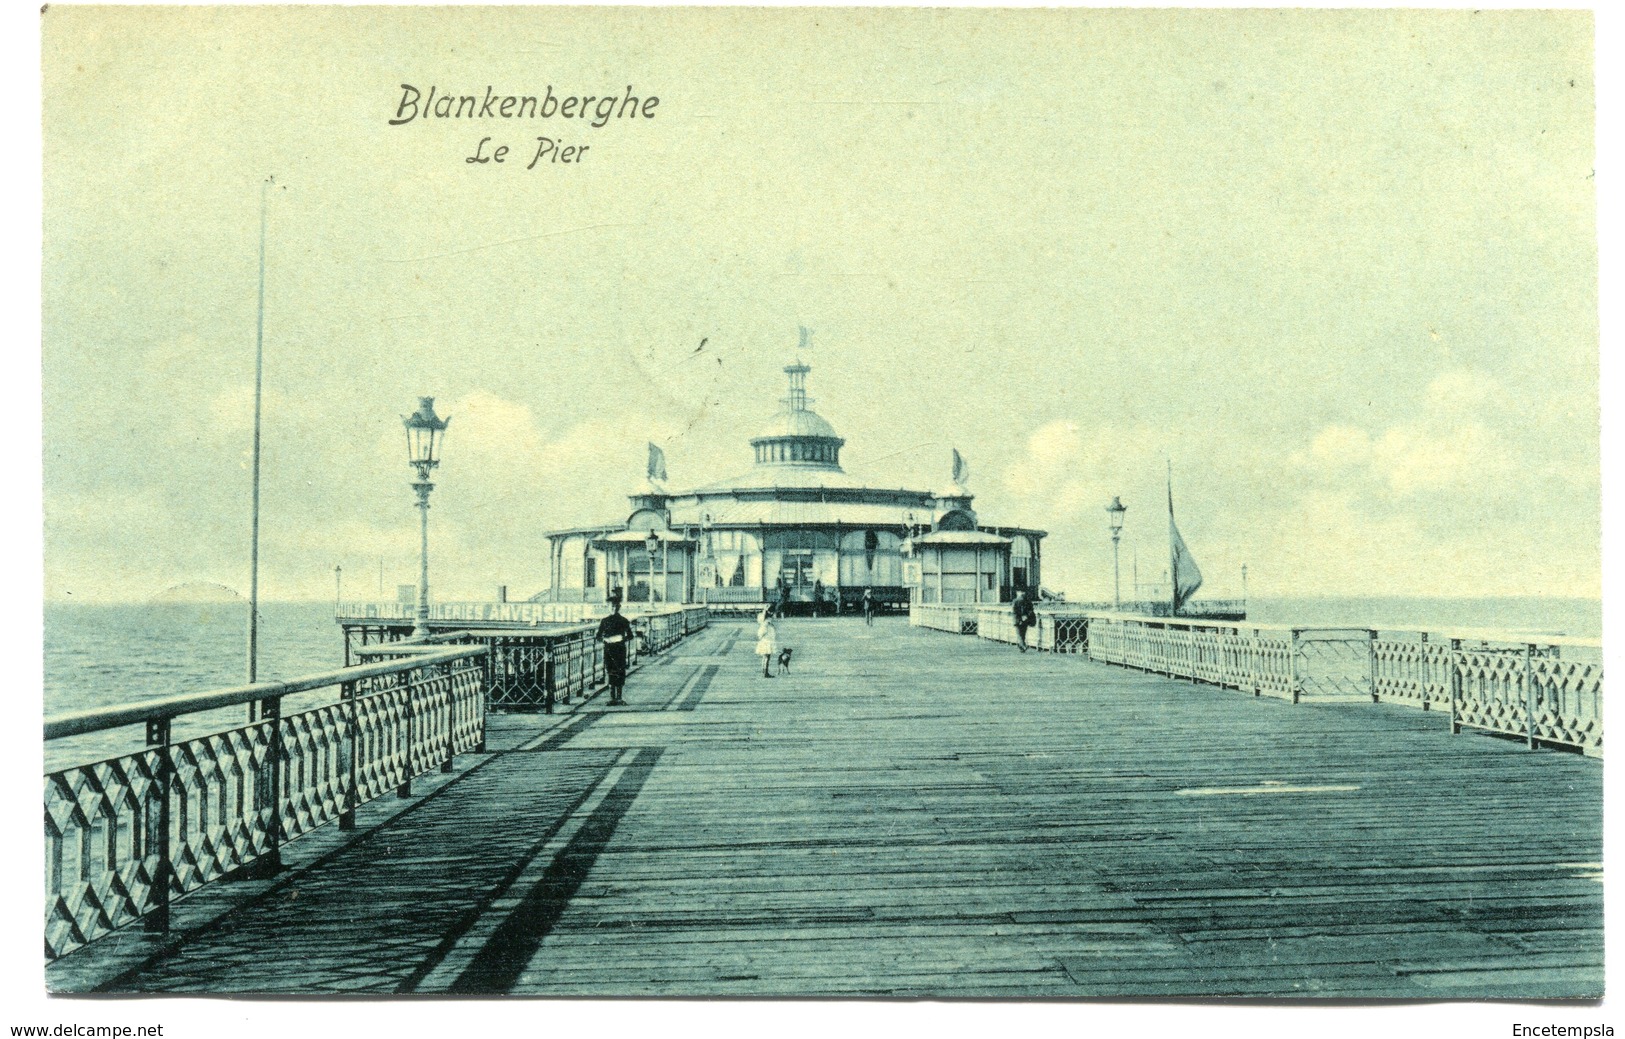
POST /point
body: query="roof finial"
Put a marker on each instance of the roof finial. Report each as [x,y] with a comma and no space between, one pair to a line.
[797,401]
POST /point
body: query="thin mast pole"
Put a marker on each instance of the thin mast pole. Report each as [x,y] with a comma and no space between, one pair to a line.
[1173,558]
[254,537]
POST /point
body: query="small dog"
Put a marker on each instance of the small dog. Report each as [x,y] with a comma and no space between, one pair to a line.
[784,659]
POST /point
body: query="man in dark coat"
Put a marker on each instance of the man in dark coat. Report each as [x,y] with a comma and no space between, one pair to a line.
[1025,618]
[615,632]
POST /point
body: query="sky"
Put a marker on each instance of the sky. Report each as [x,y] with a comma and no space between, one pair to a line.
[1337,268]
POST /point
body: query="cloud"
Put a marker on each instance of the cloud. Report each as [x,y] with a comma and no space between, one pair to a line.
[1452,500]
[1452,445]
[1341,447]
[1067,469]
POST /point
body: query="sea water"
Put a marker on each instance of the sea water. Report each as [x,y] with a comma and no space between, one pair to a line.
[101,655]
[1579,618]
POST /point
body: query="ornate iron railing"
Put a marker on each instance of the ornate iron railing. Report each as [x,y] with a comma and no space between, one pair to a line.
[537,670]
[1547,689]
[1502,683]
[1531,690]
[126,836]
[695,618]
[525,670]
[1062,633]
[961,620]
[997,623]
[1412,668]
[1058,632]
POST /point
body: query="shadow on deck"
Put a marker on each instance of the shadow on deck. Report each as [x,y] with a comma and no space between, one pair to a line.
[909,813]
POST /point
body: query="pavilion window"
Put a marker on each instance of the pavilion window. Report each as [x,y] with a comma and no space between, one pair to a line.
[590,572]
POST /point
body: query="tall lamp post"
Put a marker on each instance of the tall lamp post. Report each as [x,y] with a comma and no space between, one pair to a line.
[425,433]
[652,544]
[1115,510]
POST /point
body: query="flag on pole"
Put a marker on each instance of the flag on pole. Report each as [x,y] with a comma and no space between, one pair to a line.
[1187,577]
[961,469]
[806,338]
[657,465]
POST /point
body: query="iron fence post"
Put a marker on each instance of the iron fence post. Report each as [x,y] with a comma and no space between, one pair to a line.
[1371,664]
[545,662]
[347,750]
[450,671]
[269,864]
[1455,686]
[408,676]
[157,921]
[1293,661]
[482,700]
[489,666]
[1529,694]
[1422,674]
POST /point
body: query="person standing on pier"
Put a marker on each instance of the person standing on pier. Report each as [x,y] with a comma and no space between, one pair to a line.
[767,644]
[1025,618]
[615,632]
[868,607]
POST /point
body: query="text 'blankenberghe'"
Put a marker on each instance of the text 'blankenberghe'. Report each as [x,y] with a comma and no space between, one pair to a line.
[590,110]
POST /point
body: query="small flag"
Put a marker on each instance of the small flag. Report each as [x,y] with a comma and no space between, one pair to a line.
[806,338]
[657,465]
[961,468]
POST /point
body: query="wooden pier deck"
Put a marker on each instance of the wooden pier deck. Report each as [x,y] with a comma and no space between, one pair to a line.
[910,813]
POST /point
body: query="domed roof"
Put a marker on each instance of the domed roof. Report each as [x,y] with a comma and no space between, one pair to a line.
[797,422]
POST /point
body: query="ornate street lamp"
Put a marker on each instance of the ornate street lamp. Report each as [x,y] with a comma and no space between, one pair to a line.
[1115,510]
[425,433]
[652,543]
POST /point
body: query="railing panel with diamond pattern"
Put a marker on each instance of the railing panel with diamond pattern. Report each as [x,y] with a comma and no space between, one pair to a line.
[1411,668]
[125,836]
[1547,690]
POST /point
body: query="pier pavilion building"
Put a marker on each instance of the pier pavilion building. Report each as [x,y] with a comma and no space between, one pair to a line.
[795,528]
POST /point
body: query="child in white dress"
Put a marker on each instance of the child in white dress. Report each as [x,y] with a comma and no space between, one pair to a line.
[767,643]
